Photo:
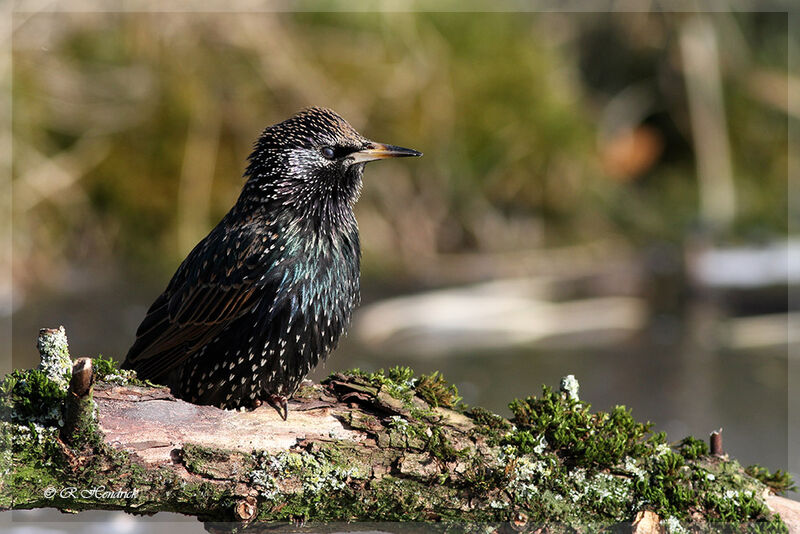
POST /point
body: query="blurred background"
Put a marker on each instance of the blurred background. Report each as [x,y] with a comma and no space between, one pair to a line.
[602,194]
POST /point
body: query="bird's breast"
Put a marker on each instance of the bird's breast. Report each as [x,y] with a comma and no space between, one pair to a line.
[315,279]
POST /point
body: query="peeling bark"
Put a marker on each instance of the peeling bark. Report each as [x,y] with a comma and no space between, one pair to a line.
[152,425]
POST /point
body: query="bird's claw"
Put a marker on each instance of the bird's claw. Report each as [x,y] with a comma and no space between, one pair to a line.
[281,405]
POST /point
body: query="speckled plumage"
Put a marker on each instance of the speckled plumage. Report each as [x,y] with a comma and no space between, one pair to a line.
[267,294]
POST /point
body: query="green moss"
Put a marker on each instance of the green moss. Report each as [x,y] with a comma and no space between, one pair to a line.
[666,486]
[692,448]
[568,464]
[597,440]
[217,499]
[488,422]
[107,370]
[398,381]
[400,374]
[779,481]
[436,391]
[727,493]
[408,500]
[526,442]
[215,463]
[103,367]
[30,461]
[83,429]
[31,395]
[440,446]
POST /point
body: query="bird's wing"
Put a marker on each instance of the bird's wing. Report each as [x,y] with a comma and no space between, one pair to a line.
[216,284]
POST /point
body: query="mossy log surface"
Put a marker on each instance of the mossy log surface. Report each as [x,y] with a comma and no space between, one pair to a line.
[377,447]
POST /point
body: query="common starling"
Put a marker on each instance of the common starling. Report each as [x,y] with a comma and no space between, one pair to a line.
[267,293]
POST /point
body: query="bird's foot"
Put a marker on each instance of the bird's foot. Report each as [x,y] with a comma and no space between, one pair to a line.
[281,404]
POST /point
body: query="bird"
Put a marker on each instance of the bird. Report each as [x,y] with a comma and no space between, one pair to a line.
[266,295]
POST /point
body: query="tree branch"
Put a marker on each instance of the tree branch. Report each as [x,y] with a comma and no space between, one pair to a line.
[359,447]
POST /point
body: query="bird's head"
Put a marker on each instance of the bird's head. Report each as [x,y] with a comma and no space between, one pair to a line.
[313,162]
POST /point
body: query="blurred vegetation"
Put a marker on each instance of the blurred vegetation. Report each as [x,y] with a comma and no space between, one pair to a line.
[131,129]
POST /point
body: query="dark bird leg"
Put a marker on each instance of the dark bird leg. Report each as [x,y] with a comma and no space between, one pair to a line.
[281,404]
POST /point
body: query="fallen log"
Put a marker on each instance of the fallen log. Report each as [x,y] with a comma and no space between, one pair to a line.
[362,447]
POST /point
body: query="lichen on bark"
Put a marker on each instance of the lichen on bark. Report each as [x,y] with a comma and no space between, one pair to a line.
[55,361]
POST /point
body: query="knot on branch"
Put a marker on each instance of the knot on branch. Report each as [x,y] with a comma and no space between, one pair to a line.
[246,509]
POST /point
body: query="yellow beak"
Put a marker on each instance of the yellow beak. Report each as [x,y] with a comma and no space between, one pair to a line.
[375,151]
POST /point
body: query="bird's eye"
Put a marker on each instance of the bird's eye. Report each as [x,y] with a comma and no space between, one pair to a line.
[328,152]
